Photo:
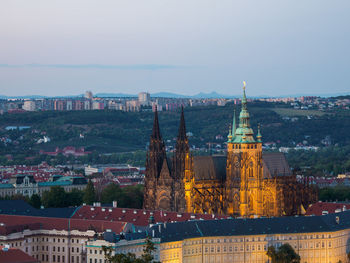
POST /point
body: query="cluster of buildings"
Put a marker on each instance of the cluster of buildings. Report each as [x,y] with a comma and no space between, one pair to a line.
[79,234]
[41,173]
[36,179]
[145,102]
[67,151]
[121,175]
[28,180]
[88,102]
[312,102]
[26,185]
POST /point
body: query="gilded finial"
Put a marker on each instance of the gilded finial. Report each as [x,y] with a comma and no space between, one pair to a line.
[244,85]
[229,136]
[258,136]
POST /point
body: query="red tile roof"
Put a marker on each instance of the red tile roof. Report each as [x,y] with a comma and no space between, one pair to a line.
[138,217]
[14,223]
[322,208]
[14,255]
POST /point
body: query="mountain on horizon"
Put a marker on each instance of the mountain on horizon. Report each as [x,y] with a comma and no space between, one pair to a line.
[112,95]
[201,95]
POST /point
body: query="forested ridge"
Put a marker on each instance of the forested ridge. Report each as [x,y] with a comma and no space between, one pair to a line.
[123,136]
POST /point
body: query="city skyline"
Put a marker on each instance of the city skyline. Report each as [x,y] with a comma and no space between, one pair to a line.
[279,48]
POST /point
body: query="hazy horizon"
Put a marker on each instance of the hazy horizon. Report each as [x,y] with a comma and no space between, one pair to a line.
[59,48]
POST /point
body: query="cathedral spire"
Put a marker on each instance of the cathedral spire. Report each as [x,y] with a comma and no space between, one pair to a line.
[234,124]
[244,99]
[182,128]
[156,131]
[244,133]
[258,136]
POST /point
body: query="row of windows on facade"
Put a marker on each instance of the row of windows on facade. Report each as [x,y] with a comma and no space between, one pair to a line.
[239,240]
[59,240]
[225,249]
[96,260]
[54,249]
[59,259]
[253,239]
[19,244]
[248,146]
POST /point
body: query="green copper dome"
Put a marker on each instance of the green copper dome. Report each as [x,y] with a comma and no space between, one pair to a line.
[244,133]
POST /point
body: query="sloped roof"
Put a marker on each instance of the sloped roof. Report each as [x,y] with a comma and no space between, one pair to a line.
[318,208]
[14,255]
[209,167]
[275,163]
[20,207]
[17,223]
[137,217]
[261,226]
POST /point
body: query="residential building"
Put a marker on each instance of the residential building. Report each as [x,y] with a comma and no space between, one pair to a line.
[26,185]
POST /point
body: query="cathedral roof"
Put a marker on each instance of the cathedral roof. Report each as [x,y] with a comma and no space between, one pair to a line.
[209,167]
[275,164]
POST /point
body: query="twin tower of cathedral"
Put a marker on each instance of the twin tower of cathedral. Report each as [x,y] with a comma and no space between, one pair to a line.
[245,182]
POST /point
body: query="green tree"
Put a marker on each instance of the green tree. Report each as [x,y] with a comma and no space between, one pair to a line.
[56,197]
[75,197]
[284,254]
[89,193]
[112,193]
[271,253]
[146,257]
[35,201]
[128,197]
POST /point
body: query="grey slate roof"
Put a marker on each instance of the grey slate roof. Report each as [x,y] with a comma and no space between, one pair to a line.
[241,227]
[209,167]
[214,167]
[20,207]
[275,164]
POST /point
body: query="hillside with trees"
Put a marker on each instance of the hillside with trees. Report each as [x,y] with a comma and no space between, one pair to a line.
[116,136]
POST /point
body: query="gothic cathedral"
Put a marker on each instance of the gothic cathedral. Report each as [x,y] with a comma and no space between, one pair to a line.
[246,182]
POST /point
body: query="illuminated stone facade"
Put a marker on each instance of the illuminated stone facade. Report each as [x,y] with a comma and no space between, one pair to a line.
[246,182]
[318,239]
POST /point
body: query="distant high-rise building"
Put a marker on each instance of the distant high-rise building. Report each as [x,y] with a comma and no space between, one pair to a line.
[98,105]
[69,105]
[29,105]
[144,98]
[88,95]
[87,105]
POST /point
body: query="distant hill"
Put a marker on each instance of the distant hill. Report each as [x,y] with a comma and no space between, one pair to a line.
[23,97]
[112,95]
[213,95]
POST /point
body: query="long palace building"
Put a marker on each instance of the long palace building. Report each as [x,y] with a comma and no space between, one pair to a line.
[246,182]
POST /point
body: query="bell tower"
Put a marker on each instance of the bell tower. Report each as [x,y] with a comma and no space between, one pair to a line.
[244,182]
[154,161]
[182,151]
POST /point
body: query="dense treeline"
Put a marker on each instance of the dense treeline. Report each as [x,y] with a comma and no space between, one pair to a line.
[332,194]
[117,131]
[122,137]
[325,161]
[127,197]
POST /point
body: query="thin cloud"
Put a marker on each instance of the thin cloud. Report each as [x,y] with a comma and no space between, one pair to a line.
[94,66]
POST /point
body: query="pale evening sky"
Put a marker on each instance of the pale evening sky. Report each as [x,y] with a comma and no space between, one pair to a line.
[280,47]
